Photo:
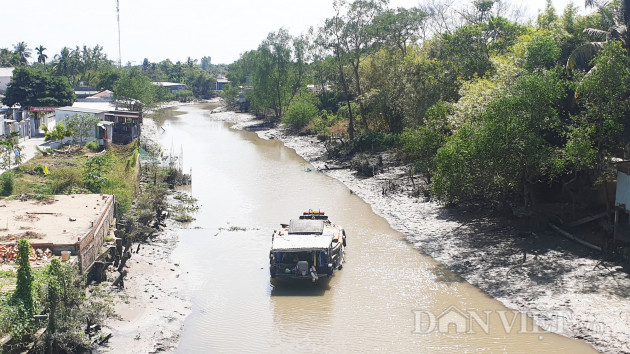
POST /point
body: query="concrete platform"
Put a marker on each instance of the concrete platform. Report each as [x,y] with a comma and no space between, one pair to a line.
[76,223]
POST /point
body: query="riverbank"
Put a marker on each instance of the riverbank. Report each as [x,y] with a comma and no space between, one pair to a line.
[564,286]
[149,310]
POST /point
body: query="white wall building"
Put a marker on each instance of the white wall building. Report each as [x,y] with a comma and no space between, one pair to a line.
[65,112]
[5,77]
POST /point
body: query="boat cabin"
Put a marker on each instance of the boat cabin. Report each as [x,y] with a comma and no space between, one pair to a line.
[309,247]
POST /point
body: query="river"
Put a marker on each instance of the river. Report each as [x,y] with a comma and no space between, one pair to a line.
[389,297]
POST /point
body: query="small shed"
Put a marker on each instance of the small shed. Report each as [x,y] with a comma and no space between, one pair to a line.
[173,87]
[127,125]
[221,81]
[105,133]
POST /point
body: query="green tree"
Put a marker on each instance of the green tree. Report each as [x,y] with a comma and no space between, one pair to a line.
[301,111]
[548,18]
[81,126]
[615,26]
[35,87]
[22,51]
[41,56]
[7,59]
[205,63]
[420,145]
[508,147]
[350,35]
[10,152]
[134,86]
[81,66]
[543,52]
[69,310]
[23,295]
[604,95]
[398,28]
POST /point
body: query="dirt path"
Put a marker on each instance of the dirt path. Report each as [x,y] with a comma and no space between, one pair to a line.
[565,287]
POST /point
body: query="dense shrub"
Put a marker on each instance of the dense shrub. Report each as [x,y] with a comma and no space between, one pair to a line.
[375,142]
[300,113]
[92,146]
[7,184]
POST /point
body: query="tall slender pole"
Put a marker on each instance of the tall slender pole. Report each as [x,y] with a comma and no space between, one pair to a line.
[118,19]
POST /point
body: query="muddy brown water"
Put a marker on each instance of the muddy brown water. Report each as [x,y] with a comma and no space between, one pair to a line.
[389,297]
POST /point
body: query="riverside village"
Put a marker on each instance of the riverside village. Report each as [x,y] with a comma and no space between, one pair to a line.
[351,176]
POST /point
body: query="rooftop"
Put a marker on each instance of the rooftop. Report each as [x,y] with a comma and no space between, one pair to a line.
[61,220]
[301,242]
[81,109]
[167,84]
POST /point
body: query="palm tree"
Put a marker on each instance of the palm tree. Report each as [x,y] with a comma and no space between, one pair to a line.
[23,52]
[617,18]
[62,62]
[41,57]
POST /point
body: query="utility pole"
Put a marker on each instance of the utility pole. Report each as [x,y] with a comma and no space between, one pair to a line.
[118,19]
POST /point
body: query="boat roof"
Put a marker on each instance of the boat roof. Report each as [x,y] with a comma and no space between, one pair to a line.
[303,226]
[301,242]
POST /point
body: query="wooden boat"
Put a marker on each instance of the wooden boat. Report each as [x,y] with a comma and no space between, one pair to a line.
[310,247]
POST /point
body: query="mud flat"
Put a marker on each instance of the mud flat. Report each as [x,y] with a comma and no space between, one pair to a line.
[565,287]
[150,310]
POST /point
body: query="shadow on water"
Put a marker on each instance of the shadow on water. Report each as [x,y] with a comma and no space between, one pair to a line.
[294,287]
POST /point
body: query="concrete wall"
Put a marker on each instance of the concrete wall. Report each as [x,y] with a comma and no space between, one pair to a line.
[4,81]
[623,190]
[90,245]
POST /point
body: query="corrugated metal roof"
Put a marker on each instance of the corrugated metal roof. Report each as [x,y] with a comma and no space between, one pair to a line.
[82,109]
[167,84]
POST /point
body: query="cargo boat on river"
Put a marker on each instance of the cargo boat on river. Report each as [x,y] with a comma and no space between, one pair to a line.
[310,247]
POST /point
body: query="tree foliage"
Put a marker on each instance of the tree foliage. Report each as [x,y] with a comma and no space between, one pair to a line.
[35,87]
[81,126]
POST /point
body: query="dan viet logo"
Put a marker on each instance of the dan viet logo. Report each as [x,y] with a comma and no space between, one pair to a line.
[461,321]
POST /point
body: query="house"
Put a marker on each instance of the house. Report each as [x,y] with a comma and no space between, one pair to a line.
[69,111]
[84,91]
[39,116]
[118,127]
[63,113]
[126,125]
[173,87]
[221,81]
[103,100]
[5,77]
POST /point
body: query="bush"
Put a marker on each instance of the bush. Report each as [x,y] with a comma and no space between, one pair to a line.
[375,142]
[92,146]
[42,170]
[7,184]
[300,113]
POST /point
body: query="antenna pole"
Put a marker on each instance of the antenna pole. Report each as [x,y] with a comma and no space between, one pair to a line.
[118,20]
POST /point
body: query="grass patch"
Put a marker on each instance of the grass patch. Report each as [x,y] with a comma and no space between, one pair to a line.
[72,173]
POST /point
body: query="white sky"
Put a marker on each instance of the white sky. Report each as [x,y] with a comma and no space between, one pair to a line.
[176,29]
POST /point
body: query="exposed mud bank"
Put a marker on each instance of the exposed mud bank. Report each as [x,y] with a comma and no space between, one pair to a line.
[565,287]
[150,310]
